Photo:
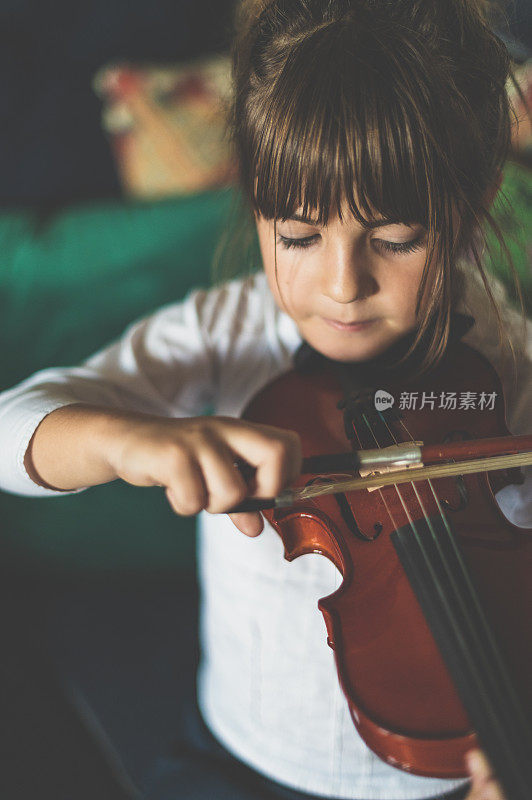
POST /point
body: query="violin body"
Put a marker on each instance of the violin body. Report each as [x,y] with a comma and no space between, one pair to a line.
[398,688]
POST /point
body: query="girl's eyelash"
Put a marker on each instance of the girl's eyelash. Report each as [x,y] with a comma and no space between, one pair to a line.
[402,247]
[305,242]
[391,247]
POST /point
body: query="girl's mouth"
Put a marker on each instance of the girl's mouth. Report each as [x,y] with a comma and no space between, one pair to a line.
[349,326]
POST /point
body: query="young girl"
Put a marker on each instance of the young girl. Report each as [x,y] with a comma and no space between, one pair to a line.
[370,137]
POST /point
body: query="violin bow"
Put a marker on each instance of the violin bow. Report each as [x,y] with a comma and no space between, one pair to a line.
[394,465]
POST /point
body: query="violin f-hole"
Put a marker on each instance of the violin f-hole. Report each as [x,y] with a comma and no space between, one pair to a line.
[345,510]
[462,493]
[349,519]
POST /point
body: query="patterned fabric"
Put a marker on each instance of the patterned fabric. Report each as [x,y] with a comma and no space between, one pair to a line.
[167,125]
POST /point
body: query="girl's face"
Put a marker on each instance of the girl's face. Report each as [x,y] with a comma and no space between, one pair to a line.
[351,292]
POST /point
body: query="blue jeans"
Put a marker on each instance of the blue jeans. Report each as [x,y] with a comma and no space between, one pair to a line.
[201,769]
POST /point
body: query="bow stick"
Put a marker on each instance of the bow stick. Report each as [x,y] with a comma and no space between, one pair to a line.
[393,465]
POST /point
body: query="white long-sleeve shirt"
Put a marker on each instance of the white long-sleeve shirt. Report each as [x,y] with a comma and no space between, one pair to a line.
[267,682]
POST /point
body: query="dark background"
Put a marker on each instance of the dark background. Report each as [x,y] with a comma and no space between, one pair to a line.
[52,149]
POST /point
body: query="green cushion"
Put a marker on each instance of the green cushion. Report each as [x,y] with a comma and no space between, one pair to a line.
[515,219]
[69,285]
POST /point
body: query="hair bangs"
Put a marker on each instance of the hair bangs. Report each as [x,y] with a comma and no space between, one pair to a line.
[343,138]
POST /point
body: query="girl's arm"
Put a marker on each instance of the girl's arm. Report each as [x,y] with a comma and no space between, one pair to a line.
[70,448]
[193,457]
[161,366]
[130,412]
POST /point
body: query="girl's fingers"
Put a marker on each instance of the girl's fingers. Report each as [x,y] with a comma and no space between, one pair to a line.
[275,453]
[478,766]
[249,523]
[203,475]
[489,791]
[185,485]
[484,785]
[225,485]
[493,791]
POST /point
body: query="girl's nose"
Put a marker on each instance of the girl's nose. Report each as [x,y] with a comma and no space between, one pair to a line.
[348,279]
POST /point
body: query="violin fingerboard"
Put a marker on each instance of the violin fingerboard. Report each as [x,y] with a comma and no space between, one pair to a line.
[431,557]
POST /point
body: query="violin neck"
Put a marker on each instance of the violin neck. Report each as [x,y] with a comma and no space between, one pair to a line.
[433,563]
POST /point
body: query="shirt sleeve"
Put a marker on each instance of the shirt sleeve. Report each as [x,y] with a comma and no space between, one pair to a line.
[513,362]
[163,364]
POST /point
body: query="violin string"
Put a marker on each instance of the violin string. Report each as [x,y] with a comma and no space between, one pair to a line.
[472,595]
[470,606]
[475,643]
[481,634]
[436,581]
[510,766]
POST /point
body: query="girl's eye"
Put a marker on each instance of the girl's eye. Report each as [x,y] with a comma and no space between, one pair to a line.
[401,247]
[306,241]
[390,247]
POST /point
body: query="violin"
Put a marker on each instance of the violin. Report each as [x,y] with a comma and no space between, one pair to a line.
[431,626]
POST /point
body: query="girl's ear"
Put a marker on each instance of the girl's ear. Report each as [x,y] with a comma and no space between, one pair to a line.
[492,191]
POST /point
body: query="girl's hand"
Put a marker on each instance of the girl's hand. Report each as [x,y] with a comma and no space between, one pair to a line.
[193,458]
[484,786]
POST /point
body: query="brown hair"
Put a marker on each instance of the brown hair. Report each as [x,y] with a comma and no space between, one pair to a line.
[404,100]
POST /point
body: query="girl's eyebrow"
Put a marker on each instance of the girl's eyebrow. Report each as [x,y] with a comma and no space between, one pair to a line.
[379,223]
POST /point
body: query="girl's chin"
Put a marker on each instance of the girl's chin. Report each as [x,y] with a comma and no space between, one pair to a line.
[354,346]
[341,349]
[336,353]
